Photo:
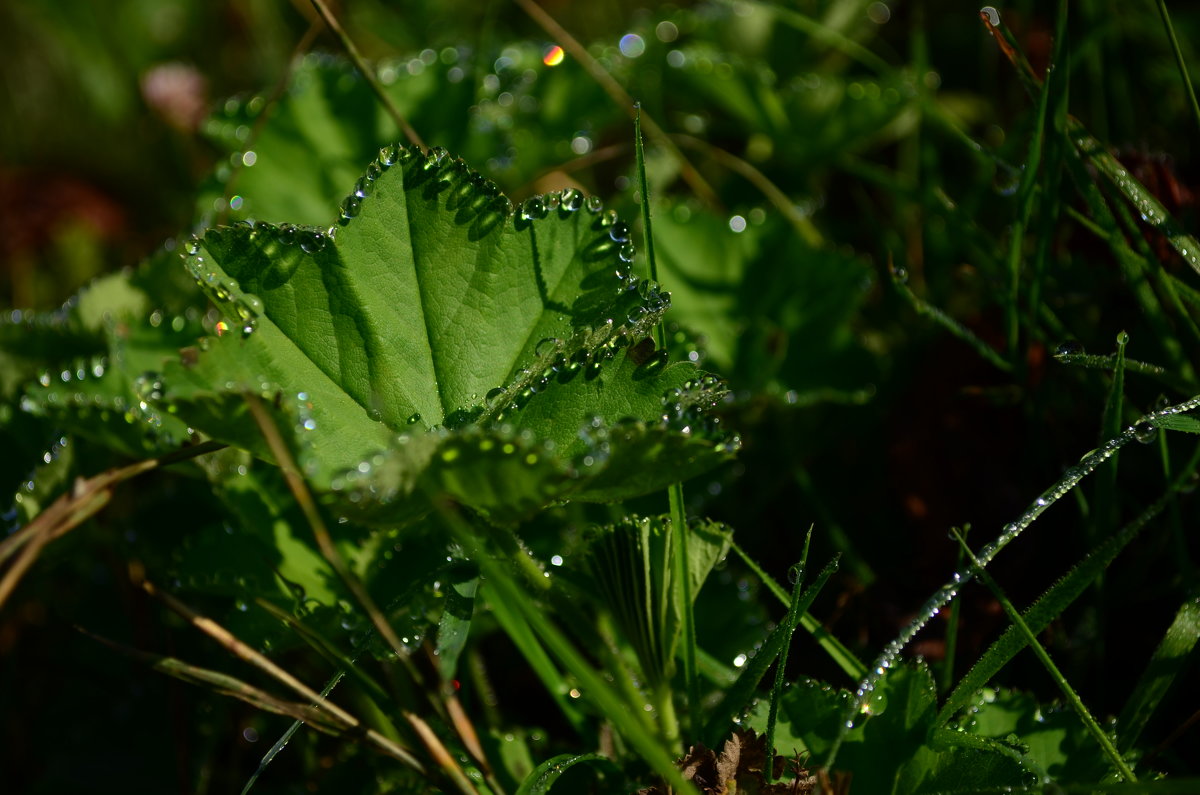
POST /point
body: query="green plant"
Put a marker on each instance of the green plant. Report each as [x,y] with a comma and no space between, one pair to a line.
[408,438]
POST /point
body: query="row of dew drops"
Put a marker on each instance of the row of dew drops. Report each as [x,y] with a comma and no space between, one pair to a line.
[1139,431]
[474,193]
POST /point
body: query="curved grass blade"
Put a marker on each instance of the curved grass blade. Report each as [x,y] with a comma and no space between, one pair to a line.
[542,779]
[1164,666]
[286,737]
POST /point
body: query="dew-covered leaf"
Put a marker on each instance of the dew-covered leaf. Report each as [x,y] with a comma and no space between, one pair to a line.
[433,342]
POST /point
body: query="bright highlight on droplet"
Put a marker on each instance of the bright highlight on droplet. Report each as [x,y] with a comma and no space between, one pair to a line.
[632,45]
[554,55]
[249,158]
[992,14]
[739,661]
[737,223]
[556,560]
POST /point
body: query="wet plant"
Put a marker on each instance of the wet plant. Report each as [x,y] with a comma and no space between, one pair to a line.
[466,441]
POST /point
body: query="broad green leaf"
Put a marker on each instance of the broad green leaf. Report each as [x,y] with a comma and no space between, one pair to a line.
[330,116]
[432,342]
[891,747]
[1053,740]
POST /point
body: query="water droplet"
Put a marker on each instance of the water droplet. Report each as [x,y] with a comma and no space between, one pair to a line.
[414,418]
[362,188]
[533,208]
[545,345]
[350,207]
[899,274]
[1122,338]
[619,232]
[1069,348]
[571,200]
[311,241]
[594,204]
[1145,433]
[992,15]
[626,252]
[252,303]
[389,155]
[795,573]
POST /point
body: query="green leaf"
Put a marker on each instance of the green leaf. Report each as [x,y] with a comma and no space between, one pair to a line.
[892,747]
[1165,665]
[434,343]
[631,564]
[455,623]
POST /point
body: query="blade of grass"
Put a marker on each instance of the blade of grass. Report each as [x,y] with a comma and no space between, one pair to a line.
[84,500]
[1133,267]
[739,694]
[534,652]
[926,309]
[934,604]
[836,40]
[1029,178]
[329,651]
[681,579]
[1179,61]
[1050,204]
[804,227]
[308,506]
[1150,208]
[367,73]
[286,737]
[1051,604]
[952,629]
[841,656]
[319,713]
[1167,662]
[1106,480]
[1089,722]
[618,94]
[795,610]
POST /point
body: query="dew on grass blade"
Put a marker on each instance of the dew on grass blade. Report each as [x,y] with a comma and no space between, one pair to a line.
[1069,348]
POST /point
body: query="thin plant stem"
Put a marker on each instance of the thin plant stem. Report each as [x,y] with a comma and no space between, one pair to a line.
[308,507]
[947,678]
[1183,70]
[245,652]
[369,75]
[620,96]
[803,226]
[845,659]
[680,557]
[83,501]
[1072,697]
